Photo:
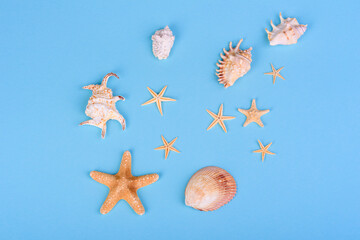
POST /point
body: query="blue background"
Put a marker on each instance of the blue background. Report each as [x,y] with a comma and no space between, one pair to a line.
[51,49]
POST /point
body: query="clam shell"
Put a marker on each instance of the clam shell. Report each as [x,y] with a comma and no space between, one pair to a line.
[233,65]
[287,32]
[209,189]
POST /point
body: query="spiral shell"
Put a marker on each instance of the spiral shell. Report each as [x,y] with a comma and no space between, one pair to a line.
[163,40]
[209,189]
[286,33]
[235,64]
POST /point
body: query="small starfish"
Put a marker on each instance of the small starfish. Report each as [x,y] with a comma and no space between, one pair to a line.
[253,114]
[275,73]
[123,185]
[158,98]
[167,146]
[264,150]
[219,118]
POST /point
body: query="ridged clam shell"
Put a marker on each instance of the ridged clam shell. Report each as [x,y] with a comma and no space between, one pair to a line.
[209,189]
[163,40]
[234,64]
[286,33]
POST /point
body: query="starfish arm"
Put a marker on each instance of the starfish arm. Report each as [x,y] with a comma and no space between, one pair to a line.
[160,148]
[272,67]
[258,151]
[111,200]
[158,104]
[212,124]
[172,141]
[268,152]
[227,117]
[211,113]
[261,145]
[274,78]
[103,178]
[263,112]
[164,140]
[267,146]
[162,91]
[280,76]
[152,92]
[174,149]
[247,121]
[244,111]
[259,122]
[166,153]
[220,113]
[269,73]
[166,99]
[142,181]
[134,201]
[253,104]
[148,102]
[280,69]
[125,166]
[221,123]
[262,156]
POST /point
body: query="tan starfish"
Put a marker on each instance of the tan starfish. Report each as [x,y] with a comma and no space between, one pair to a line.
[275,73]
[264,150]
[158,98]
[123,185]
[219,118]
[167,146]
[253,114]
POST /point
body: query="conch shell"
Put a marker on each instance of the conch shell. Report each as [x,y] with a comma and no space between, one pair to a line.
[209,189]
[286,33]
[235,64]
[101,106]
[163,40]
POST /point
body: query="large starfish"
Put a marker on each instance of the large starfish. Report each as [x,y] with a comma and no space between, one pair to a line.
[253,114]
[167,146]
[219,118]
[275,73]
[158,98]
[123,185]
[264,150]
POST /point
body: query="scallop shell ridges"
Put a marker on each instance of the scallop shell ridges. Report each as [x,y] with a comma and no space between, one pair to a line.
[209,189]
[234,64]
[286,33]
[163,40]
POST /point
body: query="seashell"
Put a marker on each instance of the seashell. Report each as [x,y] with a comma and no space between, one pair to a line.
[286,33]
[209,189]
[163,40]
[235,64]
[101,105]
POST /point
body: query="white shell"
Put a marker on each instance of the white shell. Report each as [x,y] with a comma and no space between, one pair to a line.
[163,40]
[101,105]
[209,189]
[233,65]
[286,33]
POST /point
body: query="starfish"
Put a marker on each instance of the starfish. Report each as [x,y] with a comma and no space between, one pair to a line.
[275,73]
[253,114]
[264,150]
[158,98]
[167,146]
[123,185]
[219,118]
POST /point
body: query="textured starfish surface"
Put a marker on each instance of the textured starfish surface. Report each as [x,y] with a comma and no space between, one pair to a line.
[253,114]
[158,98]
[219,118]
[264,150]
[123,185]
[275,73]
[168,146]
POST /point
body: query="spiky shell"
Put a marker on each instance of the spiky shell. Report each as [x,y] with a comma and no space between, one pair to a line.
[101,105]
[209,189]
[162,42]
[234,64]
[286,33]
